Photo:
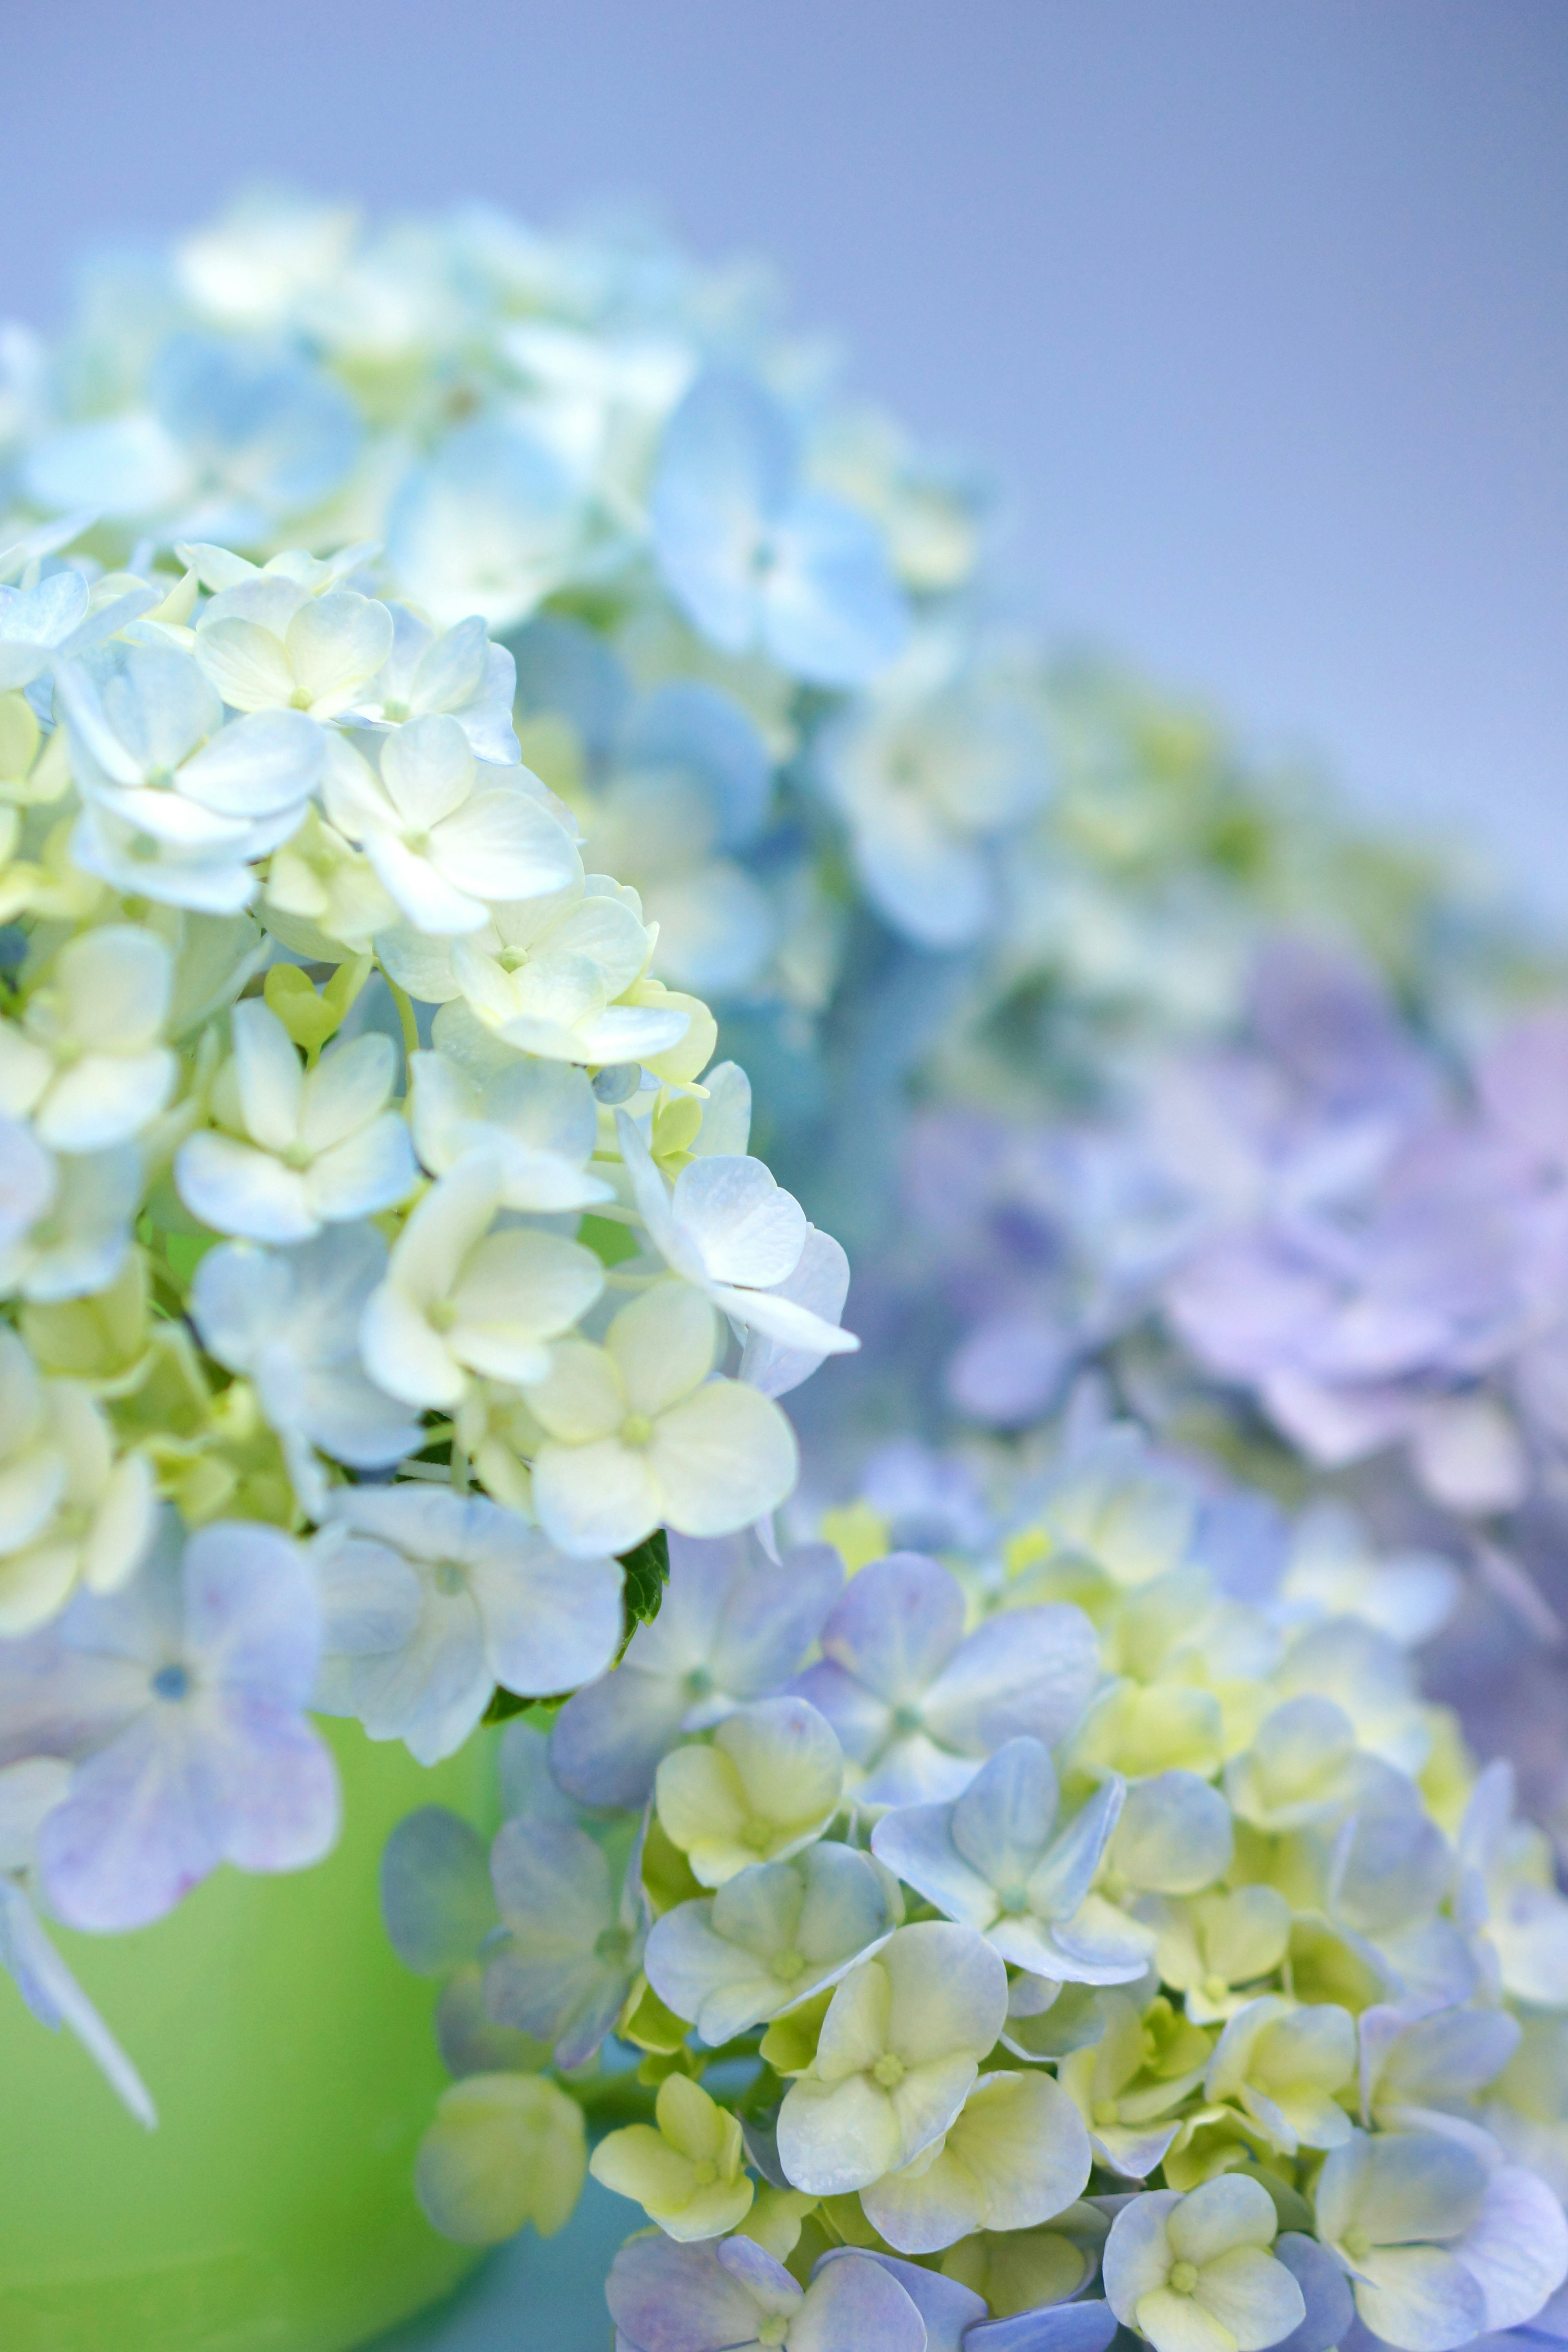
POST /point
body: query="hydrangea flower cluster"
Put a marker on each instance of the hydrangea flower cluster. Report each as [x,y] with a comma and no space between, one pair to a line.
[382,1260]
[1327,1242]
[760,640]
[1092,1928]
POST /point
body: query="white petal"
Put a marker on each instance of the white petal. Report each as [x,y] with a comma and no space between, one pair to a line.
[237,1190]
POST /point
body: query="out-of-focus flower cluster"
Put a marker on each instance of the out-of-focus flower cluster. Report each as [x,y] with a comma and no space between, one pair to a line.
[367,1209]
[761,648]
[1326,1246]
[1091,1926]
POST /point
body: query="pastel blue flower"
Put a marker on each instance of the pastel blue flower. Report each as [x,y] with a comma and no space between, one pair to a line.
[489,524]
[994,1860]
[573,1946]
[917,1706]
[758,559]
[665,2297]
[771,1936]
[733,1627]
[430,1599]
[1438,2244]
[181,1700]
[288,1320]
[235,438]
[29,1792]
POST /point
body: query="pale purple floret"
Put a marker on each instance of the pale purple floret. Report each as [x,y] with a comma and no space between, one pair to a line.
[181,1702]
[1086,2326]
[571,1947]
[733,1627]
[729,2297]
[918,1705]
[1048,1242]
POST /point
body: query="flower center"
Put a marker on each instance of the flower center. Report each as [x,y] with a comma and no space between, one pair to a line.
[1014,1898]
[636,1431]
[395,711]
[1183,2277]
[449,1577]
[698,1682]
[300,698]
[1357,2243]
[441,1315]
[1106,2111]
[297,1157]
[1214,1988]
[888,2070]
[774,2329]
[704,2172]
[611,1945]
[906,1719]
[787,1966]
[172,1681]
[758,1834]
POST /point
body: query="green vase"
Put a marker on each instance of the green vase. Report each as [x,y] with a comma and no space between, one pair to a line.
[293,2063]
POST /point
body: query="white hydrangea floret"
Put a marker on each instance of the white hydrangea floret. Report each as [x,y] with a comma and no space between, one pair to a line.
[638,1433]
[305,1148]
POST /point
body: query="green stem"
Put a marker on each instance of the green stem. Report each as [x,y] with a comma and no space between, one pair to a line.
[613,2099]
[405,1014]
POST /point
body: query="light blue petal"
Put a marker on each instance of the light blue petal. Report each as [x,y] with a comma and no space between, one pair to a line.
[436,1893]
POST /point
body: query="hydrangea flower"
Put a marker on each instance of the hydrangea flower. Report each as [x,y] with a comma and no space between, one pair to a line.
[1437,2247]
[71,1511]
[774,1934]
[640,1432]
[87,1065]
[538,1119]
[446,835]
[306,1148]
[176,803]
[689,2173]
[269,643]
[733,1234]
[898,2055]
[457,673]
[503,2149]
[1017,2154]
[917,1704]
[1282,2065]
[430,1599]
[769,1784]
[754,555]
[993,1860]
[458,1298]
[66,1232]
[733,1626]
[671,2298]
[29,1792]
[180,1702]
[289,1319]
[573,1946]
[1195,2271]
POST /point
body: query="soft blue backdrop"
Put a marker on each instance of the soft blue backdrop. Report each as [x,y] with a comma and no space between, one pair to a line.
[1262,311]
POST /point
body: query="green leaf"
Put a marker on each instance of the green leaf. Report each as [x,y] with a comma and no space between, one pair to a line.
[504,1704]
[647,1574]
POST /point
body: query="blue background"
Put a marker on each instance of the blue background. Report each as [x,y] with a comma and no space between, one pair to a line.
[1262,313]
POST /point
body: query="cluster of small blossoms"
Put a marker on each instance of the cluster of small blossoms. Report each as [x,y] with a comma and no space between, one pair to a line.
[758,635]
[1326,1243]
[1088,1928]
[382,1263]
